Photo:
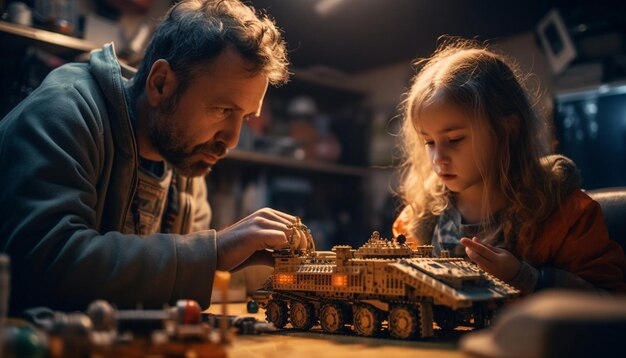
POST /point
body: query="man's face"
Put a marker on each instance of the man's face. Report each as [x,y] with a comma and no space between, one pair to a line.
[193,133]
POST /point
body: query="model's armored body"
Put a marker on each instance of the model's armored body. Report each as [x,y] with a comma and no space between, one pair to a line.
[383,281]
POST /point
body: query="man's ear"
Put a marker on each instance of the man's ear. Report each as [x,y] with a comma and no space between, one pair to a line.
[161,83]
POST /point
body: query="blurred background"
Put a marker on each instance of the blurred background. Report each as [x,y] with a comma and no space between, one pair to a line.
[323,147]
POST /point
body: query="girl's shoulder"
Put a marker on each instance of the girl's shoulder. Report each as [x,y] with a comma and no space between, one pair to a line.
[576,210]
[563,173]
[577,202]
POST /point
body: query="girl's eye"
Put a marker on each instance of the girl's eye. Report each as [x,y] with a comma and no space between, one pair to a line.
[429,143]
[456,140]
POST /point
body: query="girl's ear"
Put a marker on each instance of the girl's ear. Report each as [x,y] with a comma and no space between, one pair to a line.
[161,83]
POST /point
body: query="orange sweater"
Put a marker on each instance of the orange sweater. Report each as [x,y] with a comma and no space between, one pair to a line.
[574,239]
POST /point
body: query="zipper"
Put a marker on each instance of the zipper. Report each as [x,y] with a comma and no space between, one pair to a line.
[185,227]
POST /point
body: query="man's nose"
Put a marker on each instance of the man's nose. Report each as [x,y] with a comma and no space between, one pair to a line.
[230,133]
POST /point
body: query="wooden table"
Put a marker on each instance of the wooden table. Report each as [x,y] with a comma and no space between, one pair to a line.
[292,344]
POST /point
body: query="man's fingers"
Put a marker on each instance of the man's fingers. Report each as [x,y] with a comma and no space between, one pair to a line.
[275,220]
[276,215]
[267,223]
[273,239]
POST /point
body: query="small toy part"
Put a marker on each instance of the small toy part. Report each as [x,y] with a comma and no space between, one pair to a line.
[106,332]
[300,239]
[102,315]
[23,340]
[252,306]
[188,312]
[221,281]
[241,324]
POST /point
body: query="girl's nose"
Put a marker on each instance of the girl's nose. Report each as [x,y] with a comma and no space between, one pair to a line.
[440,157]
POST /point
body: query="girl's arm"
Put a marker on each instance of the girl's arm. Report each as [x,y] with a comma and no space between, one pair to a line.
[520,274]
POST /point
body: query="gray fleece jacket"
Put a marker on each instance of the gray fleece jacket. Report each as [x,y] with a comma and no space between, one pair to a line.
[68,173]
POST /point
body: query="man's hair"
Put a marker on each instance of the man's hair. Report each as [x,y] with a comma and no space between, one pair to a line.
[193,32]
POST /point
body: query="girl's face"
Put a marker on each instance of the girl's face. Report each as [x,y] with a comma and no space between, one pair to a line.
[456,149]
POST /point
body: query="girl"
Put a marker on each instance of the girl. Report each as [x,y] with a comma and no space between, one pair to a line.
[473,182]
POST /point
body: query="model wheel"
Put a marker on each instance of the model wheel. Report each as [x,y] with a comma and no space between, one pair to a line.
[301,315]
[332,318]
[402,322]
[366,321]
[276,313]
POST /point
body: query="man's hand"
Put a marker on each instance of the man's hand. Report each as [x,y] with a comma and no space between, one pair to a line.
[264,229]
[498,262]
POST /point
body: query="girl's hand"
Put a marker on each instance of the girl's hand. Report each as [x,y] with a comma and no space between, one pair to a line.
[498,262]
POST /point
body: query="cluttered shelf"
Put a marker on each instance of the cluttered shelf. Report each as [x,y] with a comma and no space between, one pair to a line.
[286,162]
[49,37]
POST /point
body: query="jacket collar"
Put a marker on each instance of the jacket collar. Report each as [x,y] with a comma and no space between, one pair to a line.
[109,73]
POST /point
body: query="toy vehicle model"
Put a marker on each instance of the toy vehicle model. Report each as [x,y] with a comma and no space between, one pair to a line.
[384,283]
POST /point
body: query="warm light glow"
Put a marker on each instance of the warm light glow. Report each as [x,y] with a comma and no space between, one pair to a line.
[340,280]
[324,7]
[285,278]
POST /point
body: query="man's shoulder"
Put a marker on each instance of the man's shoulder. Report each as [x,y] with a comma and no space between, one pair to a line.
[68,97]
[71,77]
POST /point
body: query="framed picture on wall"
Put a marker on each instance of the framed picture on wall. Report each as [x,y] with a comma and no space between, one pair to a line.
[555,41]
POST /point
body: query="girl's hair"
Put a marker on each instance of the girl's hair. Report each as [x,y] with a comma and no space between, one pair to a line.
[194,32]
[489,89]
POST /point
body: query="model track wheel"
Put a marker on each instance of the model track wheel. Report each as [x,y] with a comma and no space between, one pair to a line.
[276,313]
[366,321]
[301,315]
[332,318]
[403,322]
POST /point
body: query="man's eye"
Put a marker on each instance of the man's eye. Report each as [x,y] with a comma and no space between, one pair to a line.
[224,111]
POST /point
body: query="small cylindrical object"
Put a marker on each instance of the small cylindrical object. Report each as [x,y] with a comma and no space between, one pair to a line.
[188,312]
[222,279]
[102,315]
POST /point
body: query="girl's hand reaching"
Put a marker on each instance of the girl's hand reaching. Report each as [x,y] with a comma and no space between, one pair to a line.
[498,262]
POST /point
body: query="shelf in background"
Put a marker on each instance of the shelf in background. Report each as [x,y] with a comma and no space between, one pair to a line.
[48,37]
[275,160]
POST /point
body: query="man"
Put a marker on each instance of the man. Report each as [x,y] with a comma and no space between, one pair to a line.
[101,178]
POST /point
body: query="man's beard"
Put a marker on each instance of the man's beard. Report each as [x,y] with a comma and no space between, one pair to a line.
[171,142]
